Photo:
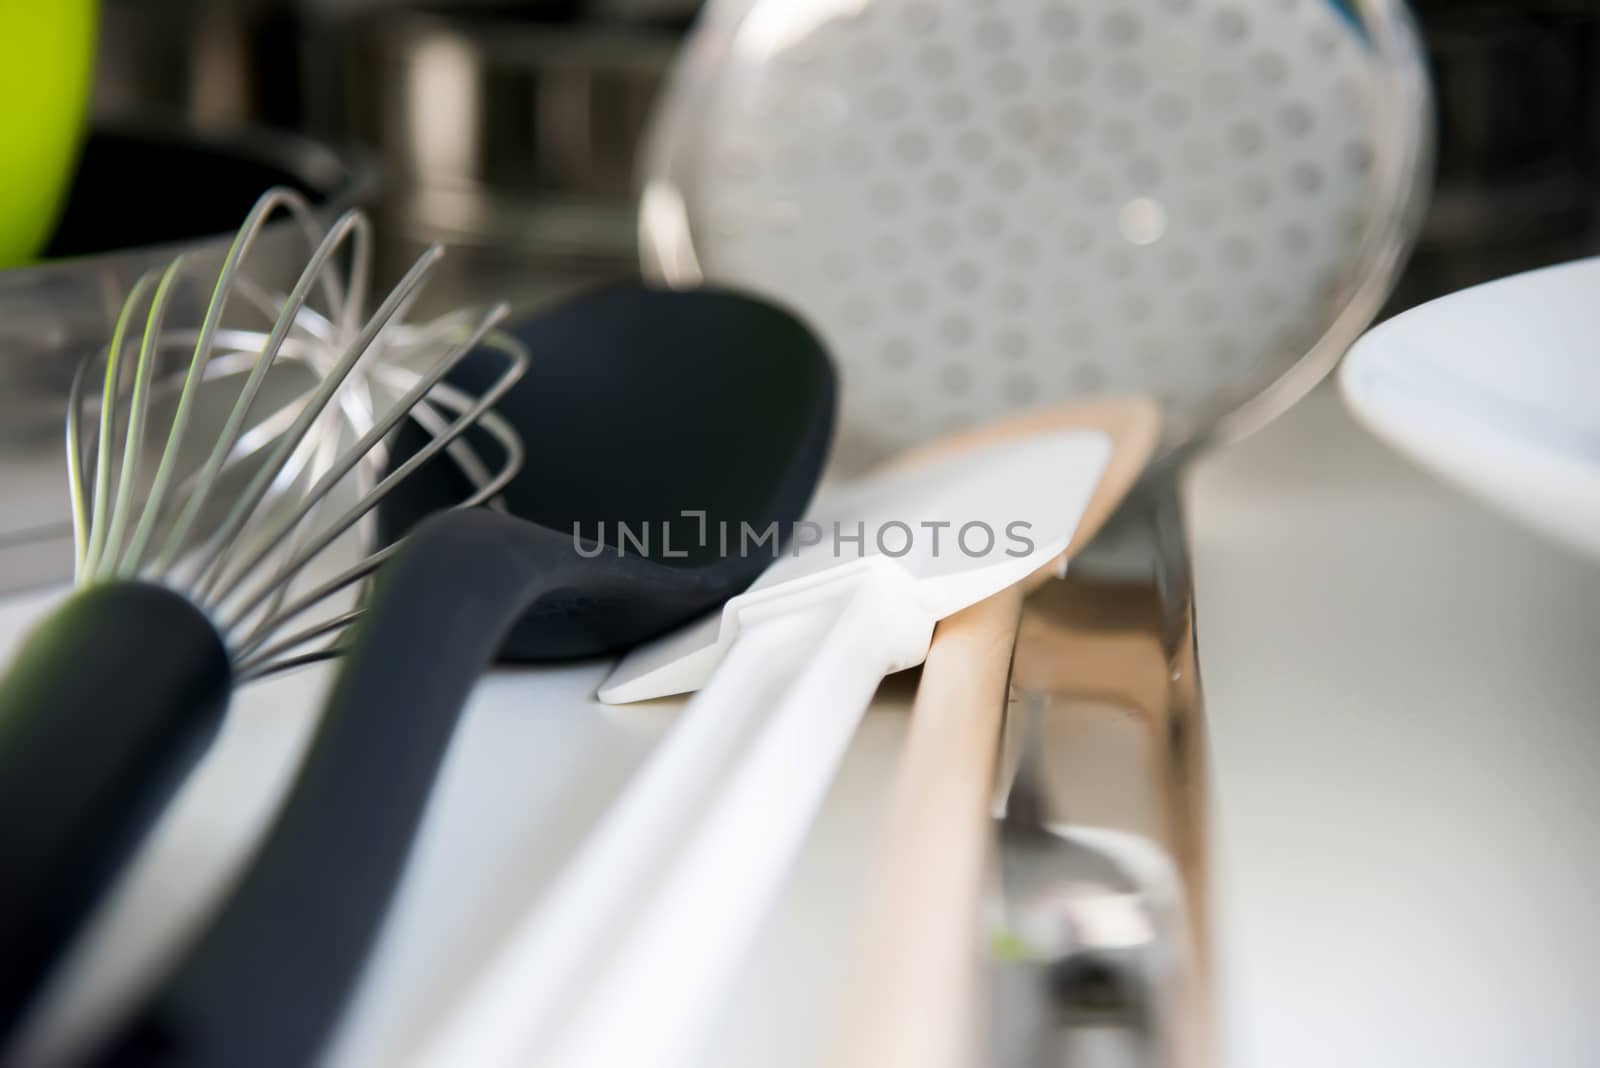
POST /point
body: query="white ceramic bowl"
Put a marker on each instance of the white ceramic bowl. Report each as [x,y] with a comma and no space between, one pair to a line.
[1497,389]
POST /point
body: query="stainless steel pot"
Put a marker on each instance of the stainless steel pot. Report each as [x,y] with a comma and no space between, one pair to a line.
[510,135]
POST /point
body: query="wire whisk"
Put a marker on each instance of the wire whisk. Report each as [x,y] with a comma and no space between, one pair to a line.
[244,559]
[219,557]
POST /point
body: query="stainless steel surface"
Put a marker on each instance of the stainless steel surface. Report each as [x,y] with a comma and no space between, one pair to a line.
[510,138]
[189,60]
[1105,823]
[57,312]
[654,10]
[1517,89]
[1090,925]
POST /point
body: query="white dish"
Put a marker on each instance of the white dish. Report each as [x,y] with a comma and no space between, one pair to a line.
[1497,389]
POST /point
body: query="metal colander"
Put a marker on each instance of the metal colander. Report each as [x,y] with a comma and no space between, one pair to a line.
[985,206]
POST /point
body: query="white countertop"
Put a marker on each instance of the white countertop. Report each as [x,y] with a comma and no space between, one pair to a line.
[1404,699]
[1403,691]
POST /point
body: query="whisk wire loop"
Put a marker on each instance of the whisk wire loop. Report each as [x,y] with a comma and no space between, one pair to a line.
[295,457]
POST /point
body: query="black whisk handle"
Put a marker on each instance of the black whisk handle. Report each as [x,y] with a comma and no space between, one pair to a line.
[265,983]
[102,712]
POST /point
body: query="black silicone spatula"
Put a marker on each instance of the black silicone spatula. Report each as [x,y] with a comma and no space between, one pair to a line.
[654,422]
[672,415]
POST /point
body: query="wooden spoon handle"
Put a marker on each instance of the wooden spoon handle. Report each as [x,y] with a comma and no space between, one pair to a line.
[917,972]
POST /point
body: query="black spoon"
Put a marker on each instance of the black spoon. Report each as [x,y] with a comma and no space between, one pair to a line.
[639,406]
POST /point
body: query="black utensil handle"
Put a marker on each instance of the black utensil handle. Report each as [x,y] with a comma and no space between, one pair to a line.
[266,981]
[107,704]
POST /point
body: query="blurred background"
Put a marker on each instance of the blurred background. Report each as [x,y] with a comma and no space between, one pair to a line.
[509,131]
[532,111]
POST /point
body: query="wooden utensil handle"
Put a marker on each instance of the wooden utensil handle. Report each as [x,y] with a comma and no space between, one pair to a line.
[918,968]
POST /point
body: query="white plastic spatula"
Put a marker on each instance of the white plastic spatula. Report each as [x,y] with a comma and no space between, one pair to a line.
[1015,500]
[651,918]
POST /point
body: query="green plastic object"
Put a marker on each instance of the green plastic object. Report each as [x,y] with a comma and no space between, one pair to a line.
[46,64]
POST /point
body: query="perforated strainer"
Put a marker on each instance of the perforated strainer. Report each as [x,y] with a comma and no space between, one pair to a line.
[986,205]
